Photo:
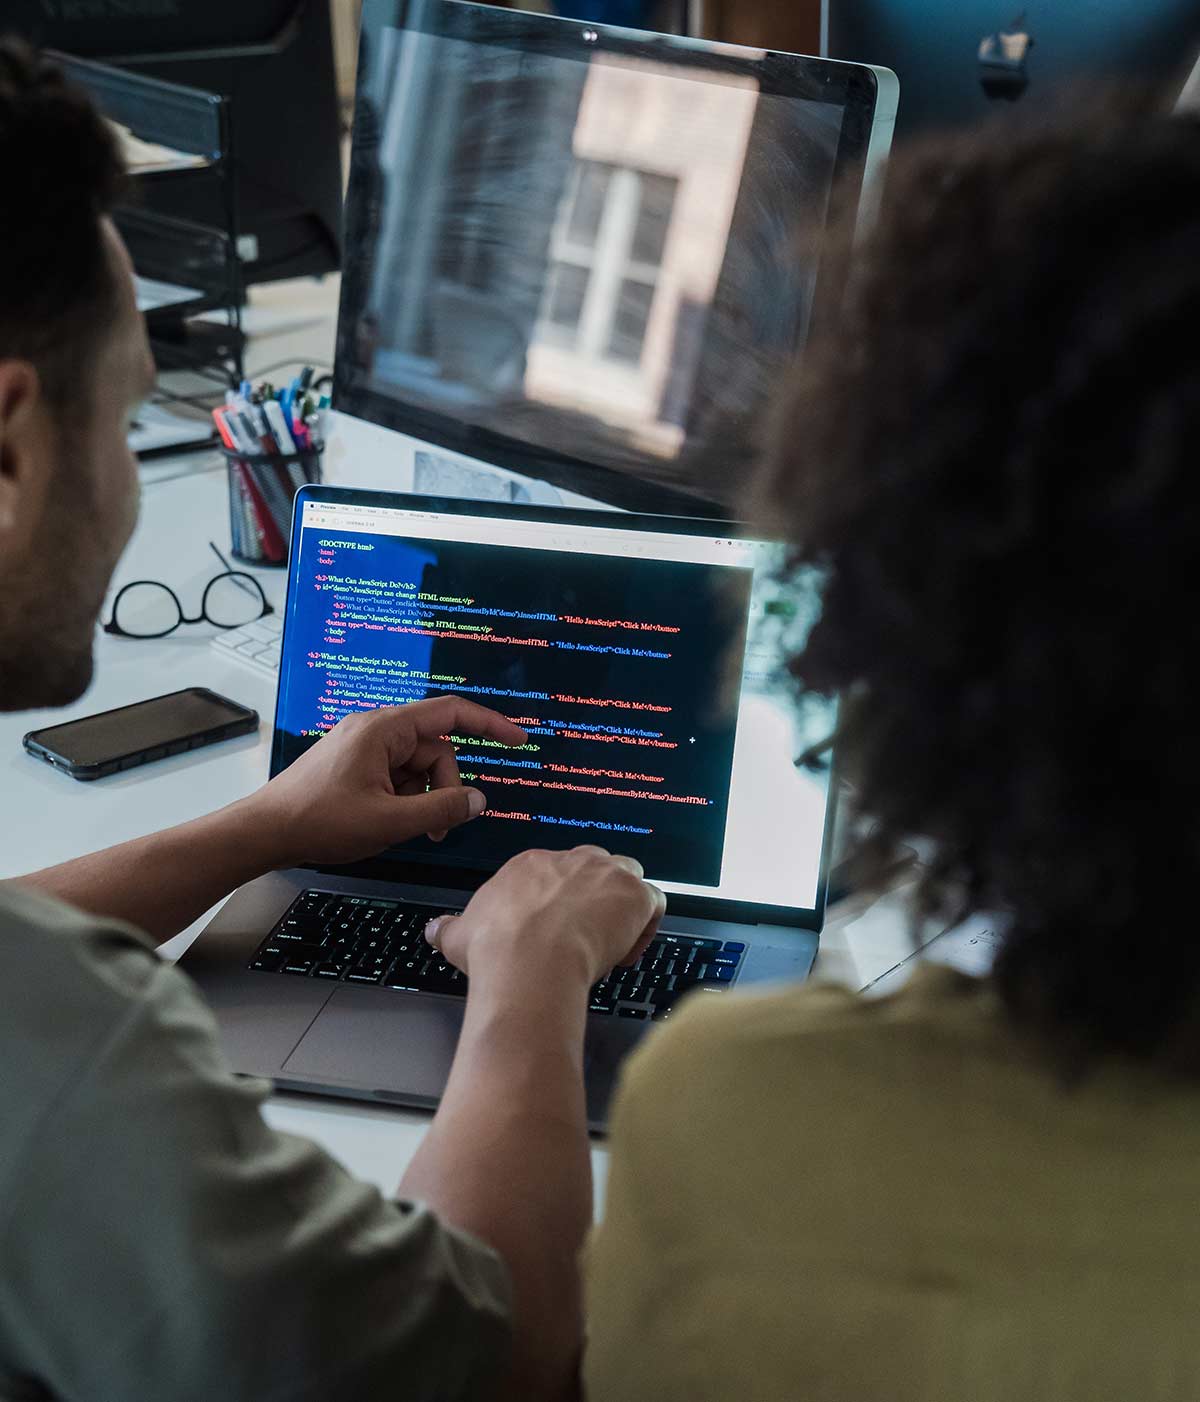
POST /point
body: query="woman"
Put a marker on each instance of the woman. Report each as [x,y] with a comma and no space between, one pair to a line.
[973,1189]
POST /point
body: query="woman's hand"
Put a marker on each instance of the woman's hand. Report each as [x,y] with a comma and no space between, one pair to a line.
[378,778]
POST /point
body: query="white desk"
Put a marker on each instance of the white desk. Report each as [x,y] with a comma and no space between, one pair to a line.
[49,817]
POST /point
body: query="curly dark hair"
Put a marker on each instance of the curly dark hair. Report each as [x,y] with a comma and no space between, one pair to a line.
[62,172]
[991,464]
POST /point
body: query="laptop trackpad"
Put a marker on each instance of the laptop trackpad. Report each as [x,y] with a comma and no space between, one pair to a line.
[376,1039]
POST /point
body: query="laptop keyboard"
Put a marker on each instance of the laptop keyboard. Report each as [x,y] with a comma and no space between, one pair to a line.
[354,939]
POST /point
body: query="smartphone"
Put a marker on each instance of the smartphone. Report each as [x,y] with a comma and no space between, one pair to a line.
[93,746]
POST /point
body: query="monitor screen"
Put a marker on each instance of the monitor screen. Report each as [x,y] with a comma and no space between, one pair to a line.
[583,246]
[642,658]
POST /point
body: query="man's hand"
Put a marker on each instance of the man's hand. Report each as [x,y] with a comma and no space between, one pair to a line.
[582,910]
[378,778]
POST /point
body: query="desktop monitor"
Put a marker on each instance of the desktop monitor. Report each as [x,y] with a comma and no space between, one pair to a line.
[575,251]
[274,60]
[1052,47]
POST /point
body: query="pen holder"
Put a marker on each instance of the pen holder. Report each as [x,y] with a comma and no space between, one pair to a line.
[262,487]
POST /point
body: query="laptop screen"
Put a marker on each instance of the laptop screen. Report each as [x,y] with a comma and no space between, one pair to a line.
[574,251]
[640,655]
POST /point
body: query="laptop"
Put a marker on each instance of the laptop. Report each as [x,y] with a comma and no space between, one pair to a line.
[572,265]
[642,655]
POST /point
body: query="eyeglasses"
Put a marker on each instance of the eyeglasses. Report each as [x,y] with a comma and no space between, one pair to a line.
[148,609]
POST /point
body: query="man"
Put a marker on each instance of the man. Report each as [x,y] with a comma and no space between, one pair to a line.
[157,1240]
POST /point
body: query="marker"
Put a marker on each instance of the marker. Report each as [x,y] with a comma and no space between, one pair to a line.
[246,423]
[288,399]
[237,433]
[262,429]
[223,429]
[279,426]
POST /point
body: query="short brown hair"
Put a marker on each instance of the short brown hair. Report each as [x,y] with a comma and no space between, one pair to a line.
[62,171]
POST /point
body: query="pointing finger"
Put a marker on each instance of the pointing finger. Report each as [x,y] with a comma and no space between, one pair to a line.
[443,774]
[442,714]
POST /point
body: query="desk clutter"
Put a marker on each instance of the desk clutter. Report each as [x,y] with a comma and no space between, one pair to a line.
[272,441]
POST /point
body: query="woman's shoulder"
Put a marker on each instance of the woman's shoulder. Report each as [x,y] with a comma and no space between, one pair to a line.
[938,1015]
[934,996]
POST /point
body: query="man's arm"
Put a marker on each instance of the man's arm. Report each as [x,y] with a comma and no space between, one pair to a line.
[507,1160]
[163,882]
[378,778]
[507,1155]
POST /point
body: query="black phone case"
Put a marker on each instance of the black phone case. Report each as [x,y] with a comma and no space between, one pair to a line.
[245,724]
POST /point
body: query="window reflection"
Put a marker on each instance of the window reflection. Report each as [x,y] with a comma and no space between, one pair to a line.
[595,256]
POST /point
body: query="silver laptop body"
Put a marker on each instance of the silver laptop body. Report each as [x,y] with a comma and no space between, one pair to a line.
[757,834]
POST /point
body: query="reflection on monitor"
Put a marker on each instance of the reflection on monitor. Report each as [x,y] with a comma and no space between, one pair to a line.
[643,664]
[589,250]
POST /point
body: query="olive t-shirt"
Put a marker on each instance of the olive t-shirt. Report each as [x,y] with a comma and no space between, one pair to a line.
[159,1241]
[815,1197]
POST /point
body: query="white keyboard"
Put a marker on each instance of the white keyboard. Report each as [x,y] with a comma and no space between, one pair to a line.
[256,644]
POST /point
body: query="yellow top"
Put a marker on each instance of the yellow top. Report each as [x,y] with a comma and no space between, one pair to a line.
[818,1197]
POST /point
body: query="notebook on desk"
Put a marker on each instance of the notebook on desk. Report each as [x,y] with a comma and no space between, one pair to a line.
[641,656]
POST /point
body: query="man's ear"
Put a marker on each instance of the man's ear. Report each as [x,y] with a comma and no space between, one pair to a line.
[22,441]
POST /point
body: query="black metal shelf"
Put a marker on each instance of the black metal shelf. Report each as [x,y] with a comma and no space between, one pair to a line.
[197,125]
